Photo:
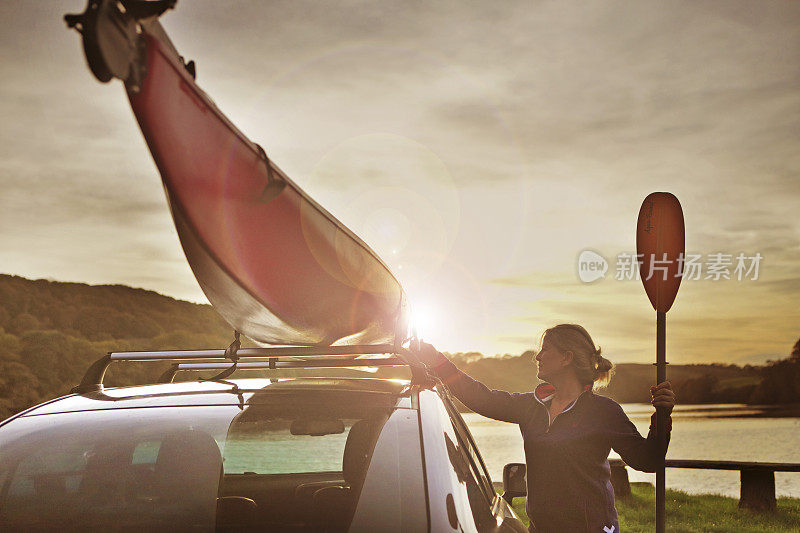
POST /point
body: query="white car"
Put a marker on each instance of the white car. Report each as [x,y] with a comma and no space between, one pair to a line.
[282,454]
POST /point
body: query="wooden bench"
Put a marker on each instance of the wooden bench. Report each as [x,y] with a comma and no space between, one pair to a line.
[757,489]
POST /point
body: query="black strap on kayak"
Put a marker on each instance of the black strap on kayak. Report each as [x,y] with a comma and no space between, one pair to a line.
[141,9]
[274,184]
[230,353]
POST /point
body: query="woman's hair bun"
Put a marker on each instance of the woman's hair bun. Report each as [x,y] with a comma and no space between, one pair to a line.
[603,364]
[602,373]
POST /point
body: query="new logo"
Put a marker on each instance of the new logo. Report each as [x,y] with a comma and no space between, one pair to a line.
[591,266]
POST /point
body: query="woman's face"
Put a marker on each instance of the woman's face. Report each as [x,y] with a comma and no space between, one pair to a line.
[551,361]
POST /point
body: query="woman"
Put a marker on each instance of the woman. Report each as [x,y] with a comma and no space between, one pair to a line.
[568,431]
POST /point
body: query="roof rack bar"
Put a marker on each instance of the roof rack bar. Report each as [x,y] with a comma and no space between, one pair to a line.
[328,362]
[282,351]
[268,365]
[93,379]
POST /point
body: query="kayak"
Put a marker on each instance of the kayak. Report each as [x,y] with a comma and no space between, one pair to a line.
[272,262]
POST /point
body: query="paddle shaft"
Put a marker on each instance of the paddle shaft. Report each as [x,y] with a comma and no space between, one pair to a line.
[662,416]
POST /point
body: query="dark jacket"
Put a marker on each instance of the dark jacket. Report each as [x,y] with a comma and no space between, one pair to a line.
[569,480]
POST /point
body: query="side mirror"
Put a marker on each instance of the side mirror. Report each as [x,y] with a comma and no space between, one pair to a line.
[514,482]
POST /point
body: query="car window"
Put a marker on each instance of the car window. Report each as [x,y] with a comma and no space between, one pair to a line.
[296,460]
[133,469]
[476,461]
[145,452]
[49,469]
[270,447]
[459,460]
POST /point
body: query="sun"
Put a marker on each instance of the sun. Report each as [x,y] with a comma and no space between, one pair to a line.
[424,319]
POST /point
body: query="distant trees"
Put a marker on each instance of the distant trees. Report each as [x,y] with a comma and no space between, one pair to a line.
[777,382]
[781,380]
[514,373]
[697,390]
[461,359]
[706,383]
[23,323]
[50,332]
[19,388]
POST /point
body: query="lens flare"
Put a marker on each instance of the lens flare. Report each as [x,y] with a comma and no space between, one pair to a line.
[424,319]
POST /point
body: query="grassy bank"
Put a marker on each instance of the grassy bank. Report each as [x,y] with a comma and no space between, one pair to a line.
[694,513]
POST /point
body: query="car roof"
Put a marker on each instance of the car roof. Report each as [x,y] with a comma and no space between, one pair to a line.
[229,392]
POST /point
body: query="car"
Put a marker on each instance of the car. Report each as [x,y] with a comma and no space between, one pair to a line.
[326,452]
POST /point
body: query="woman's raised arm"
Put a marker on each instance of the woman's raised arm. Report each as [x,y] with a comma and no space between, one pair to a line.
[497,404]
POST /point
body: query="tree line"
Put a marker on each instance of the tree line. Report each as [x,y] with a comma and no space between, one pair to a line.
[776,382]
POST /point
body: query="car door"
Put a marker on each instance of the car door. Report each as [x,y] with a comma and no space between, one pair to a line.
[461,496]
[505,517]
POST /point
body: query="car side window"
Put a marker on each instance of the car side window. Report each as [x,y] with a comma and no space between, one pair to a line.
[479,502]
[476,461]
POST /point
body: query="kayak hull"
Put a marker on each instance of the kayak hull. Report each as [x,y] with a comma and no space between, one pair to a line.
[274,264]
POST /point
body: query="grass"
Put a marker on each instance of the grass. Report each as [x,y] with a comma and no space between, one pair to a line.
[690,513]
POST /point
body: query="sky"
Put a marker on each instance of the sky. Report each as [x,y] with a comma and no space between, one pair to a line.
[477,147]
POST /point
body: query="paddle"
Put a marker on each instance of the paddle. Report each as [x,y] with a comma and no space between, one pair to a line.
[660,240]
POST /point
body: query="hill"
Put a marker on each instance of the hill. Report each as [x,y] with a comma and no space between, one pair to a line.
[51,331]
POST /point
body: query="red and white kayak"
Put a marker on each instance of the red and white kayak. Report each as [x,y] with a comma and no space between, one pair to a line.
[273,263]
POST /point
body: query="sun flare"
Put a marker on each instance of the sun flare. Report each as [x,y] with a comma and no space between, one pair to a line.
[424,319]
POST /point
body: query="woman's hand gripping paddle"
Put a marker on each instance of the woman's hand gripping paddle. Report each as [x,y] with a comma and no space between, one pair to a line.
[660,245]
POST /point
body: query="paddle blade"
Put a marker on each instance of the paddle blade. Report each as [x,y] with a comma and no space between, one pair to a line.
[660,241]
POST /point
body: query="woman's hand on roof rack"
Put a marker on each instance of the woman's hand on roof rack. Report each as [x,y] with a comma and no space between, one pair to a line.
[429,356]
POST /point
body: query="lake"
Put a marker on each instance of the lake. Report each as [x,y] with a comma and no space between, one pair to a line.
[722,432]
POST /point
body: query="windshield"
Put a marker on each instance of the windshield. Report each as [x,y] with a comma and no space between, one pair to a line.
[290,463]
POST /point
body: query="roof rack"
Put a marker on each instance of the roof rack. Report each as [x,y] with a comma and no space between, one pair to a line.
[271,358]
[273,363]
